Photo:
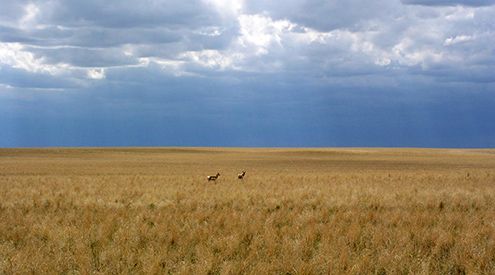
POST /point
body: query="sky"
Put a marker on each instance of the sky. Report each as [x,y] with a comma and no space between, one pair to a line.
[253,73]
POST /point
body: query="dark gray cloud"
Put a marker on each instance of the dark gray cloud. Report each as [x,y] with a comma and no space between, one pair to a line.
[84,57]
[470,3]
[127,14]
[12,10]
[324,15]
[20,78]
[13,35]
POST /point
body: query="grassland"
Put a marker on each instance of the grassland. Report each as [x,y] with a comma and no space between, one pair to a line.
[298,211]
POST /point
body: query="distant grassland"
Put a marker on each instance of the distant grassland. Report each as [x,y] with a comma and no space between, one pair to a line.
[297,211]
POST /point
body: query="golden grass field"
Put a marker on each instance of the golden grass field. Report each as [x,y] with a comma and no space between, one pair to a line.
[297,211]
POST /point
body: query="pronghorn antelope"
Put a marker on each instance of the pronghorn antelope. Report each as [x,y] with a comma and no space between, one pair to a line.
[241,176]
[213,178]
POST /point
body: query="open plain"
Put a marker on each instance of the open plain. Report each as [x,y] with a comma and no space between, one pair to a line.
[297,211]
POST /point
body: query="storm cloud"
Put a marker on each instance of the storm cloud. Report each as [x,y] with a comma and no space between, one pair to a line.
[257,73]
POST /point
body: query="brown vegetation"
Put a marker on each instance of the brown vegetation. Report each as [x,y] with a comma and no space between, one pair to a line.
[297,211]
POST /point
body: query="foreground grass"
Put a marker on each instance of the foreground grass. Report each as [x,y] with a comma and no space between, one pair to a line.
[298,211]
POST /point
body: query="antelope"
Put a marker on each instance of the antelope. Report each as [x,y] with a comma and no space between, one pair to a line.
[213,178]
[241,176]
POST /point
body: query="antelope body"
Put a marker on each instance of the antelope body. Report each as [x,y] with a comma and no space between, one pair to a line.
[213,178]
[241,176]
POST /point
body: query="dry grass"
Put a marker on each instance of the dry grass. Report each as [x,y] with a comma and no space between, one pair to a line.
[298,211]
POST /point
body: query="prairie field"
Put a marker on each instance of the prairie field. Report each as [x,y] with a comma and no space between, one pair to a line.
[297,211]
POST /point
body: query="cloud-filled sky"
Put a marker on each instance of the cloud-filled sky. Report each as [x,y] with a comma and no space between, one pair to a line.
[291,73]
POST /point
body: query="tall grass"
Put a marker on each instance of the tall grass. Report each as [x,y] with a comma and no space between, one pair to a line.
[298,211]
